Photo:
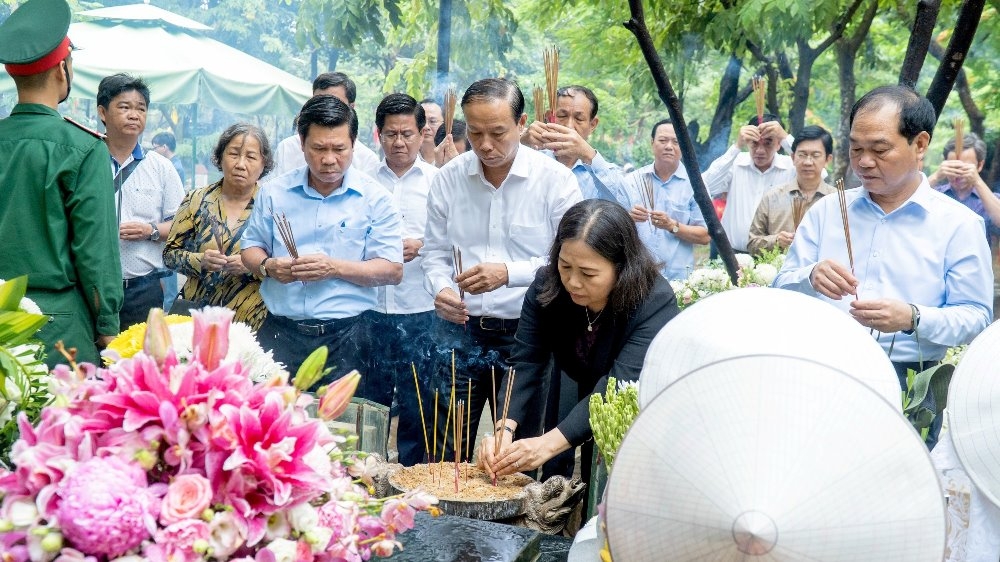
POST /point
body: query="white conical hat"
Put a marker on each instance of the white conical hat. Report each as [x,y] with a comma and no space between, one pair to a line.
[761,321]
[773,458]
[974,414]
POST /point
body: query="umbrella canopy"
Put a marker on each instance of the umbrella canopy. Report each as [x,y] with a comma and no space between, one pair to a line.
[179,63]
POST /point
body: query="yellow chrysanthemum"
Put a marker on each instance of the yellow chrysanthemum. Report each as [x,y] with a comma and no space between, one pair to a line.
[129,342]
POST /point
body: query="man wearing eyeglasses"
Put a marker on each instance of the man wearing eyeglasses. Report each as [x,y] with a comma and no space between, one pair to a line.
[402,319]
[775,220]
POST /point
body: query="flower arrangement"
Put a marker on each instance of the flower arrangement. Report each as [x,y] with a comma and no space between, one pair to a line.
[153,459]
[705,281]
[243,346]
[24,377]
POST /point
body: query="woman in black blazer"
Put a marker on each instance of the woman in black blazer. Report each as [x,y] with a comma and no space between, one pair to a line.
[595,308]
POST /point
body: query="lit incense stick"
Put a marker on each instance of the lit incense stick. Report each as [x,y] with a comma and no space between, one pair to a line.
[760,95]
[842,196]
[959,125]
[449,110]
[550,58]
[538,95]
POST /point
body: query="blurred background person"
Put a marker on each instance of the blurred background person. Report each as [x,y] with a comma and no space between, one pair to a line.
[593,309]
[165,144]
[434,117]
[445,149]
[216,214]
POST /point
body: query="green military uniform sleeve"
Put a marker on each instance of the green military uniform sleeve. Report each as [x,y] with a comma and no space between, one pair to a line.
[90,205]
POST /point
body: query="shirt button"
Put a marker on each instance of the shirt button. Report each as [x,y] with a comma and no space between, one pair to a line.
[882,221]
[874,254]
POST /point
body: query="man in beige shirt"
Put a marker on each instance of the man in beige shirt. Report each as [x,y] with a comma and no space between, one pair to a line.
[776,218]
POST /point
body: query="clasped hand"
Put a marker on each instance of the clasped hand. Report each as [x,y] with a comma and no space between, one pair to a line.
[214,260]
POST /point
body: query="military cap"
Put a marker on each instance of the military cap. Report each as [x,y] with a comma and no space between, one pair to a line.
[33,39]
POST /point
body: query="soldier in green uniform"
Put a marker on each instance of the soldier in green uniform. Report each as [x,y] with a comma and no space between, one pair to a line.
[57,214]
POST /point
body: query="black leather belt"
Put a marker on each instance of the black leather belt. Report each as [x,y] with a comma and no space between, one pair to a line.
[315,327]
[491,324]
[147,279]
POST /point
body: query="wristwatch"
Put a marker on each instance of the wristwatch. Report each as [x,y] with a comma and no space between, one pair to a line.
[155,234]
[263,267]
[676,228]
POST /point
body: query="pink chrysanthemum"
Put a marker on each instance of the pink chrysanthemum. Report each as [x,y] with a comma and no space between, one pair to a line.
[106,508]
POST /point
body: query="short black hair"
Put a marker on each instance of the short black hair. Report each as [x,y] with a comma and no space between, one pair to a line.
[656,126]
[916,113]
[970,140]
[327,111]
[767,117]
[458,132]
[493,89]
[399,104]
[166,138]
[334,79]
[571,91]
[607,228]
[814,132]
[429,100]
[117,84]
[242,130]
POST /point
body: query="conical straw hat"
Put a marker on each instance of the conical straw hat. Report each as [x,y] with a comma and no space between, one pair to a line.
[773,458]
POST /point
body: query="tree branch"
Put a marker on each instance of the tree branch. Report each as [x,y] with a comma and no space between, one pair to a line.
[920,38]
[976,116]
[637,25]
[838,28]
[954,56]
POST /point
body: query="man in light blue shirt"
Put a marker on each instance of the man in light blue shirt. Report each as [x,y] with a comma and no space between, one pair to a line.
[347,238]
[922,278]
[566,138]
[670,224]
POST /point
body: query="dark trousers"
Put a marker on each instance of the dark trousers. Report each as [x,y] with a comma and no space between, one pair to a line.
[399,341]
[563,395]
[482,353]
[346,343]
[901,368]
[142,294]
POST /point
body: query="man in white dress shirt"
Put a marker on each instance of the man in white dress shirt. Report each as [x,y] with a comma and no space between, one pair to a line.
[747,176]
[500,204]
[147,194]
[401,321]
[288,155]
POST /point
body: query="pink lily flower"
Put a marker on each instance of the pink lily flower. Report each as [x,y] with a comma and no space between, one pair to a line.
[211,335]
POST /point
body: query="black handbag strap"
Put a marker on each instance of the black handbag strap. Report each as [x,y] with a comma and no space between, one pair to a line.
[120,177]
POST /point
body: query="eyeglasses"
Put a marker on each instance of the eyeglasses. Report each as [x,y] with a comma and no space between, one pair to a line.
[407,136]
[806,156]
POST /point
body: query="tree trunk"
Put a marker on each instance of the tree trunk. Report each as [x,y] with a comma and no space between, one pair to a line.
[722,121]
[800,90]
[333,57]
[847,51]
[920,38]
[954,56]
[993,174]
[637,25]
[444,45]
[976,117]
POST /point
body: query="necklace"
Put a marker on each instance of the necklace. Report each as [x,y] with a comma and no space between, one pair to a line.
[590,323]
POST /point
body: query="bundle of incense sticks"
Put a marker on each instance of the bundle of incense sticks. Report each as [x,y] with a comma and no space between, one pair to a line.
[842,196]
[550,58]
[538,95]
[449,109]
[798,210]
[285,231]
[959,125]
[759,96]
[216,227]
[468,425]
[456,256]
[648,195]
[420,405]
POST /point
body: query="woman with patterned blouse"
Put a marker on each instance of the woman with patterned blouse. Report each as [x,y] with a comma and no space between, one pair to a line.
[204,242]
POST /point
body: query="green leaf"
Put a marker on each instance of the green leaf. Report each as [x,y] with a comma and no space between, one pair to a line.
[18,327]
[12,292]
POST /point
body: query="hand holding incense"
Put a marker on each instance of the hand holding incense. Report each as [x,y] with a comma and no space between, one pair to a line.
[449,110]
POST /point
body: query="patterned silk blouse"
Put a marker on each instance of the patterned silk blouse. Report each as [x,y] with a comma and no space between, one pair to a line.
[192,234]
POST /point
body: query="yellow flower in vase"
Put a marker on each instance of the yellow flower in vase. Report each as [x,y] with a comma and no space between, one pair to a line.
[129,342]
